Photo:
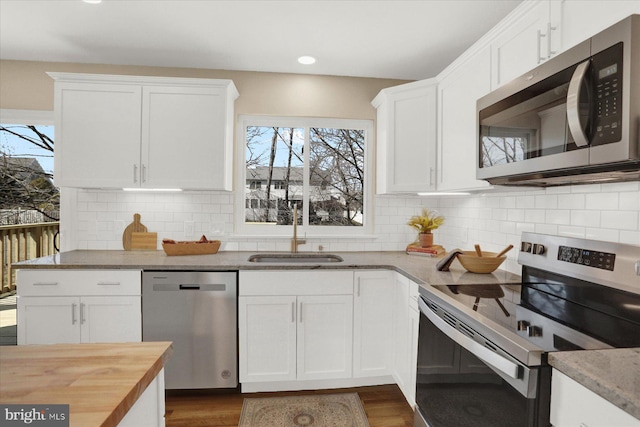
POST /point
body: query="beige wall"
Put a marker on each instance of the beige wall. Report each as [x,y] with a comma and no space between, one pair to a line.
[24,85]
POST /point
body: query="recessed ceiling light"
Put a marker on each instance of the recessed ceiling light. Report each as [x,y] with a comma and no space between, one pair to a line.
[92,1]
[307,60]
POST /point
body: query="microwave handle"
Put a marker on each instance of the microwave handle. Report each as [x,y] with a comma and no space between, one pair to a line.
[573,105]
[495,360]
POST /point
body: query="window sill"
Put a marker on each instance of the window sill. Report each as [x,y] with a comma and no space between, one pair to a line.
[243,237]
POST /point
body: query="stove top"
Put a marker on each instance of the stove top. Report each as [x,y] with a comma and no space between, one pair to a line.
[575,294]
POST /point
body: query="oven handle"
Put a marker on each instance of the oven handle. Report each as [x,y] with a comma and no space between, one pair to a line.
[496,361]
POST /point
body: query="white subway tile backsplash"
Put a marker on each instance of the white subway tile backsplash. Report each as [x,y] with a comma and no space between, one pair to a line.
[557,216]
[571,201]
[603,234]
[621,220]
[608,212]
[571,231]
[600,201]
[546,201]
[534,215]
[630,201]
[585,218]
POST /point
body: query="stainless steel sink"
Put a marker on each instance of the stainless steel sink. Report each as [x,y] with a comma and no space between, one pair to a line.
[310,258]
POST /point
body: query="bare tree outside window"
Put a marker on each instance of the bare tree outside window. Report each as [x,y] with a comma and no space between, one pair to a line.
[330,181]
[27,193]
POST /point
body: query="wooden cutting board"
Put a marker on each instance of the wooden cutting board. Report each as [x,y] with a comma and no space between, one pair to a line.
[135,226]
[144,241]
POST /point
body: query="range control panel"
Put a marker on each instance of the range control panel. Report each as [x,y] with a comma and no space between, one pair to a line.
[587,257]
[616,265]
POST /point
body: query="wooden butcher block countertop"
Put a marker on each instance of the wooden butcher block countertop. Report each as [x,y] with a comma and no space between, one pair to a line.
[99,382]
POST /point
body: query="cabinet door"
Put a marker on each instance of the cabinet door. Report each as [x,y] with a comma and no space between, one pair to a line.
[97,129]
[410,392]
[457,142]
[582,19]
[111,319]
[267,334]
[407,138]
[373,323]
[325,337]
[401,333]
[183,137]
[572,404]
[522,46]
[48,320]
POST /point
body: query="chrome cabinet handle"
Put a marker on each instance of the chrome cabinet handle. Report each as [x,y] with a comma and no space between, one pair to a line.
[135,173]
[573,105]
[540,36]
[431,176]
[82,319]
[144,173]
[45,284]
[300,312]
[496,361]
[73,313]
[358,292]
[293,312]
[108,283]
[549,30]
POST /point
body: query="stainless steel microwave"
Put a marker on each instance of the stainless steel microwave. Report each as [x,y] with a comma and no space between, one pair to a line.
[574,119]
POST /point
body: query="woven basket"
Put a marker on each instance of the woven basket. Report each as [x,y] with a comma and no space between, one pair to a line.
[191,248]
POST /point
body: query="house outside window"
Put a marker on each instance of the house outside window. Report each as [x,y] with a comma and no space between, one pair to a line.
[318,165]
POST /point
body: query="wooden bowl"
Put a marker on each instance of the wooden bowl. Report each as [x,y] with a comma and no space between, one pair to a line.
[487,263]
[191,248]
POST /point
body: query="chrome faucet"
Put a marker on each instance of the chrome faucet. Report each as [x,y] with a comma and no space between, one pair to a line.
[295,241]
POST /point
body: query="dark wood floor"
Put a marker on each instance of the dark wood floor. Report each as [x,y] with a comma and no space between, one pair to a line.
[385,407]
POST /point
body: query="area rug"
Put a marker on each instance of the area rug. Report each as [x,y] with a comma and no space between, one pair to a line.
[322,410]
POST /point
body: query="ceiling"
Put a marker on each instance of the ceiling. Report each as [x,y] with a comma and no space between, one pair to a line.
[397,39]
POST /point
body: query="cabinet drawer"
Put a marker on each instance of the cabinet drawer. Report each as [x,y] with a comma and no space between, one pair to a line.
[78,282]
[296,282]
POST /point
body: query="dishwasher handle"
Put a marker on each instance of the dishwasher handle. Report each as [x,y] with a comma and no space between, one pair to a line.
[205,287]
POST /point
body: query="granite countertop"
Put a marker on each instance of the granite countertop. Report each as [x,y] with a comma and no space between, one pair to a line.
[613,374]
[99,382]
[615,384]
[420,269]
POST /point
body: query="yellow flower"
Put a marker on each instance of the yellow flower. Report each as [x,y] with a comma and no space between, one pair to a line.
[426,222]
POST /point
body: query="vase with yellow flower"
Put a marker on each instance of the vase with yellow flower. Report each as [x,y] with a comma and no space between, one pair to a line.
[425,223]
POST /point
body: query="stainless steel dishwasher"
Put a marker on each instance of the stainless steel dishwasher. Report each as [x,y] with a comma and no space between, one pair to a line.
[198,312]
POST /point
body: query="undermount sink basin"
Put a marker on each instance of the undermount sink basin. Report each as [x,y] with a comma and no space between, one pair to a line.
[296,258]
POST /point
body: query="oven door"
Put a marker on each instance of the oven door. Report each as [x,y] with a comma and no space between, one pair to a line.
[464,380]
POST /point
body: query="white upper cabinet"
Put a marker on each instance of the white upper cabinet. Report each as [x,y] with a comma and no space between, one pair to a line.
[582,19]
[406,138]
[457,131]
[524,39]
[150,132]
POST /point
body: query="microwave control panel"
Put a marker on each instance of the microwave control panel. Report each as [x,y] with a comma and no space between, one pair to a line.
[607,84]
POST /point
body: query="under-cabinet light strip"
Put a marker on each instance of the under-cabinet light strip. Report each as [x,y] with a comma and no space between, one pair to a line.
[153,189]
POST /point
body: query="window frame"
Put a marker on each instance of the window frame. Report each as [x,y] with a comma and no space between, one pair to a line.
[271,230]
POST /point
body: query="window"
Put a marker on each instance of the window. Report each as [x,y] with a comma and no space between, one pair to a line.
[318,165]
[26,167]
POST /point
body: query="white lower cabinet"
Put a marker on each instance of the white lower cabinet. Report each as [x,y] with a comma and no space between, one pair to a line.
[295,328]
[56,306]
[267,326]
[572,404]
[373,323]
